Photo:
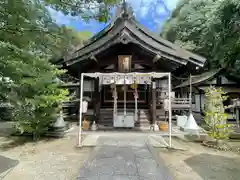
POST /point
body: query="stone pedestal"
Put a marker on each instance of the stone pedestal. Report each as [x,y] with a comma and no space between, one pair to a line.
[59,127]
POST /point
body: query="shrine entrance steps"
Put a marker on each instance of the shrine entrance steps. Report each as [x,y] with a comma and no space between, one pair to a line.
[106,118]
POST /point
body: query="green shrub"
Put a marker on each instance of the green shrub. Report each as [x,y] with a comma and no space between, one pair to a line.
[215,116]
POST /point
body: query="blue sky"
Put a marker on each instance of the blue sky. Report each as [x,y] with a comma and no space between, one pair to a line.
[151,13]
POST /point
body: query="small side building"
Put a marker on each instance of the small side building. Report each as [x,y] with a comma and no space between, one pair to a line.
[216,77]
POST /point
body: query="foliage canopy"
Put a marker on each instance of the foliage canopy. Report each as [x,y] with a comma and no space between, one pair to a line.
[87,9]
[29,38]
[210,28]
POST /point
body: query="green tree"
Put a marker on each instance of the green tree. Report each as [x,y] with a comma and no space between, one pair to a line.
[28,40]
[70,40]
[27,77]
[210,28]
[87,9]
[215,116]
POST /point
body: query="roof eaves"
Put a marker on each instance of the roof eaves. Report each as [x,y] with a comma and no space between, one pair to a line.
[199,78]
[168,43]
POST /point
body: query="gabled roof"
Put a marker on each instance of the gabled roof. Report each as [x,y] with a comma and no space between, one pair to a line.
[200,78]
[125,29]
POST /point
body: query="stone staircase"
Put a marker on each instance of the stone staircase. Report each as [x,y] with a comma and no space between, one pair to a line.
[106,117]
[160,115]
[144,120]
[143,123]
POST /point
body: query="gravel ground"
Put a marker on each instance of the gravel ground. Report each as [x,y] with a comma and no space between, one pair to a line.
[201,163]
[56,159]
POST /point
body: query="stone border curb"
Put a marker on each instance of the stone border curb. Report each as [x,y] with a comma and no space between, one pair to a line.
[160,162]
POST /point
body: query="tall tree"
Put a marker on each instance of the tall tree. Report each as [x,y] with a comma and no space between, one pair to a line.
[27,77]
[70,40]
[209,28]
[28,39]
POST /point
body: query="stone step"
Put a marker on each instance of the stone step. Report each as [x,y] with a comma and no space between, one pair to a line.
[110,118]
[130,110]
[143,128]
[142,112]
[139,123]
[107,123]
[121,112]
[111,114]
[143,120]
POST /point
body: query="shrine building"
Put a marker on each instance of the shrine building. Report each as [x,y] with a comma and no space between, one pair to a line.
[125,46]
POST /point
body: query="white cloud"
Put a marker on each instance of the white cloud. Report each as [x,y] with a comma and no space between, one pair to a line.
[171,4]
[143,7]
[59,17]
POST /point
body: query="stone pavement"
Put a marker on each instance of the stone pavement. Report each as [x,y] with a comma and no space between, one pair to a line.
[123,158]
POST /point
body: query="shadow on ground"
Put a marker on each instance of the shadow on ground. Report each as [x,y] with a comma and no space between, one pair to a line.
[217,167]
[16,141]
[7,163]
[12,142]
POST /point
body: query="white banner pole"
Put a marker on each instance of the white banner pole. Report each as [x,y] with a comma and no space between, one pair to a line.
[170,109]
[80,112]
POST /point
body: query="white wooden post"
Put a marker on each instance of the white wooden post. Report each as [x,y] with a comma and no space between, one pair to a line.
[170,110]
[190,94]
[136,107]
[80,112]
[115,108]
[135,96]
[125,94]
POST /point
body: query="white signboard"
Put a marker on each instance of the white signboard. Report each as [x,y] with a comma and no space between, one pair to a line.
[84,106]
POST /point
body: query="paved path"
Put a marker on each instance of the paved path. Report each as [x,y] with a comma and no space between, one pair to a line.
[123,158]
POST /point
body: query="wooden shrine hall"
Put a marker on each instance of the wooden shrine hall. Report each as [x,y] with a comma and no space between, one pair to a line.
[126,46]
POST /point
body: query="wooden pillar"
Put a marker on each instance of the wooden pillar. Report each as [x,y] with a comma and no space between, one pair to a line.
[154,102]
[200,100]
[154,97]
[97,95]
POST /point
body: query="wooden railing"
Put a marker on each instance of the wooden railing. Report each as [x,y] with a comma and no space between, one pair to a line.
[180,101]
[176,100]
[177,103]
